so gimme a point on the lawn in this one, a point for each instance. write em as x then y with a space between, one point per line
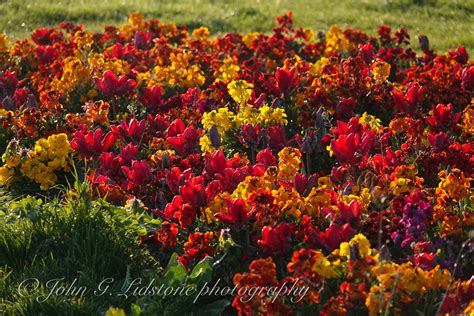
448 24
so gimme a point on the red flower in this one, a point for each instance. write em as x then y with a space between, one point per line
412 100
439 141
194 192
443 116
111 85
42 36
345 148
468 78
46 54
91 144
165 237
133 131
151 97
236 213
333 236
197 248
140 174
276 240
287 79
349 213
215 163
187 142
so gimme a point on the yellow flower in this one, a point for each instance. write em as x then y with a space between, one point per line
317 68
3 43
6 175
324 268
83 39
289 163
222 118
380 70
336 40
400 185
362 243
240 91
249 37
268 116
49 155
373 122
201 33
228 71
206 145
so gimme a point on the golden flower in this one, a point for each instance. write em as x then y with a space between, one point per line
228 71
289 163
3 43
455 184
400 185
6 175
380 70
136 19
336 40
83 39
317 68
201 34
249 37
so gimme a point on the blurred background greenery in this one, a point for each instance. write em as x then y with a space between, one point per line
447 23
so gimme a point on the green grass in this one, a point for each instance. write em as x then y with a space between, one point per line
448 23
79 239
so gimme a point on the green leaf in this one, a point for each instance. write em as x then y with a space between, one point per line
202 272
175 273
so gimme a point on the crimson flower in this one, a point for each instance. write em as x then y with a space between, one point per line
151 97
468 78
443 116
186 142
215 163
439 141
194 192
92 144
140 174
133 131
236 213
110 85
349 213
46 54
142 40
345 148
287 79
333 236
276 240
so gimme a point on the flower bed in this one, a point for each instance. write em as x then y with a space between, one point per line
338 162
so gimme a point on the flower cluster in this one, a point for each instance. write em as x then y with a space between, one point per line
341 162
